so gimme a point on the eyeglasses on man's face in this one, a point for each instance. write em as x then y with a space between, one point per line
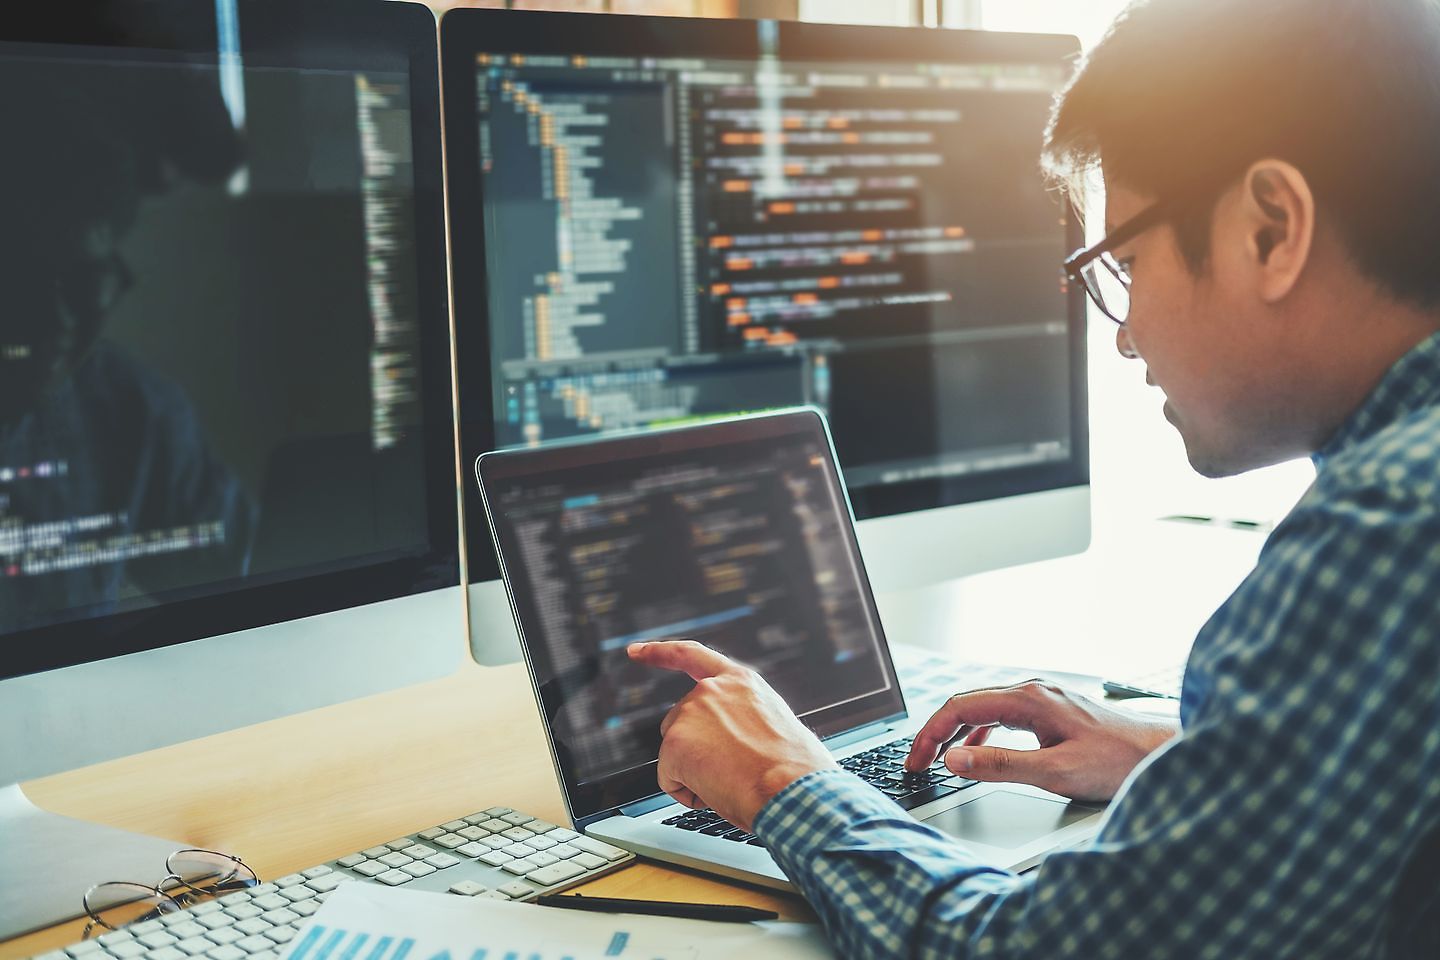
1105 278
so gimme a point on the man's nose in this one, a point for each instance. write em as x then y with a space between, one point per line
1125 345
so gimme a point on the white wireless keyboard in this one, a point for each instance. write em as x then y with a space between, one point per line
498 853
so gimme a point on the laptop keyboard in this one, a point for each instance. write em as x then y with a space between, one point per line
882 767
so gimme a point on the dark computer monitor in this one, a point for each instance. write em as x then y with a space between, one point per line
227 464
657 220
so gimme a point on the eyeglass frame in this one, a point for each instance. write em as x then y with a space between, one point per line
1076 265
181 893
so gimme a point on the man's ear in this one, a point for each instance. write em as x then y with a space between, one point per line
1278 209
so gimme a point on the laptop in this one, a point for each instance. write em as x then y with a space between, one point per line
738 534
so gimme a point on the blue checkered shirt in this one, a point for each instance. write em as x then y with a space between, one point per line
1298 815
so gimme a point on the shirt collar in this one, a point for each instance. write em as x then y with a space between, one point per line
1412 384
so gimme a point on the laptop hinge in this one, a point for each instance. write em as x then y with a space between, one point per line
855 736
641 807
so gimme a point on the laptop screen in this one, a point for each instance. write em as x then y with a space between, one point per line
735 534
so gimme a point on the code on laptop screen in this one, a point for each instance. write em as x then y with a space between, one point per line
745 547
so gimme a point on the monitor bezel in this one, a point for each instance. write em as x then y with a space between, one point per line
327 34
590 799
465 33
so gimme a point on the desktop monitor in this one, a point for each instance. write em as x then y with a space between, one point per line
227 459
658 220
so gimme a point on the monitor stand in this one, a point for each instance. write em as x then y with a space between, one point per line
47 862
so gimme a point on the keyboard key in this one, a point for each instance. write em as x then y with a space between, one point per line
518 849
326 883
138 930
245 911
194 946
370 868
226 953
418 869
562 850
477 818
419 851
253 926
450 841
281 934
496 859
589 861
519 867
517 834
286 914
156 939
296 894
186 930
517 889
199 910
518 819
255 944
498 811
540 826
466 888
431 833
271 901
442 861
394 878
925 796
454 826
349 861
314 872
544 859
214 921
375 853
473 849
493 825
555 873
82 948
396 859
307 907
290 879
256 891
561 834
224 935
599 848
473 833
243 896
542 843
496 842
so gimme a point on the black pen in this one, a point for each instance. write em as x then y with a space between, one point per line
658 908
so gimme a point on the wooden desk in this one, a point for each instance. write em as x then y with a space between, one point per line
295 792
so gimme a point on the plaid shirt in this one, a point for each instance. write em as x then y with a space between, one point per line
1299 813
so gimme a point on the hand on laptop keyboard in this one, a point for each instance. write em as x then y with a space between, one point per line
1086 749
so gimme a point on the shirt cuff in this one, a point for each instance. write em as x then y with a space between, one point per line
817 809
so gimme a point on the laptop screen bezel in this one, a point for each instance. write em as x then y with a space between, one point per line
588 799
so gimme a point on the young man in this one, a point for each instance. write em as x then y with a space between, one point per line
1273 204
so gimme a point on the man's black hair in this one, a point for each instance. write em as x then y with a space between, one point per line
1182 96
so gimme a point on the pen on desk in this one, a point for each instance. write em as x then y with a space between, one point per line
658 908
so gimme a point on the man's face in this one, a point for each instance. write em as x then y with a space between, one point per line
1205 343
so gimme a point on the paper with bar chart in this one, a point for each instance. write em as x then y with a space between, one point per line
362 921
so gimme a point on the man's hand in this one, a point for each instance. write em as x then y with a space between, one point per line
732 743
1086 749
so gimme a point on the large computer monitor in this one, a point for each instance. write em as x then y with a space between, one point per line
656 220
227 460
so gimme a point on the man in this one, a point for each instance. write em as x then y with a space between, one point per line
1273 205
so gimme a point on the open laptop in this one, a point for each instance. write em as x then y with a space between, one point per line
738 534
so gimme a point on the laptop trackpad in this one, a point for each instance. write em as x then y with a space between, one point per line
1007 820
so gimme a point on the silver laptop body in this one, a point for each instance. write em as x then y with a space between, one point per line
739 534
